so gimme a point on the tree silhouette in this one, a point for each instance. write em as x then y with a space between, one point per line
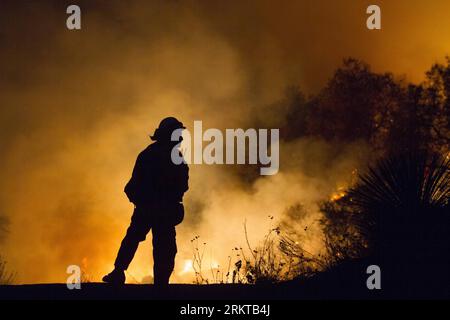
391 115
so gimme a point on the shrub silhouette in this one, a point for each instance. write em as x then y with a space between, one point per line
415 181
347 231
405 202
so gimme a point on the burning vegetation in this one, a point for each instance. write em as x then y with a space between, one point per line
393 209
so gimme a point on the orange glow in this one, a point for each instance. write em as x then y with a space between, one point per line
187 268
337 195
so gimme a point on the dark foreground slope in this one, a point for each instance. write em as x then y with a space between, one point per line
173 292
347 281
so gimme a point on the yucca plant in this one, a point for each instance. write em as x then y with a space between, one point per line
415 181
405 201
404 196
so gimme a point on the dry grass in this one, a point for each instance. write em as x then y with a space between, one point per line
6 277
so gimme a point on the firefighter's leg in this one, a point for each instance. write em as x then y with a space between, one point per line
136 232
164 251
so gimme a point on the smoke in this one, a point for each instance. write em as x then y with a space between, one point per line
78 106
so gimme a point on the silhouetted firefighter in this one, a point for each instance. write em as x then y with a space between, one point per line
156 188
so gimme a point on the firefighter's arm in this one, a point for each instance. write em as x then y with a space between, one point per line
186 178
133 185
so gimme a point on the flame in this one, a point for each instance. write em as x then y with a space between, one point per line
188 267
341 191
338 195
84 263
